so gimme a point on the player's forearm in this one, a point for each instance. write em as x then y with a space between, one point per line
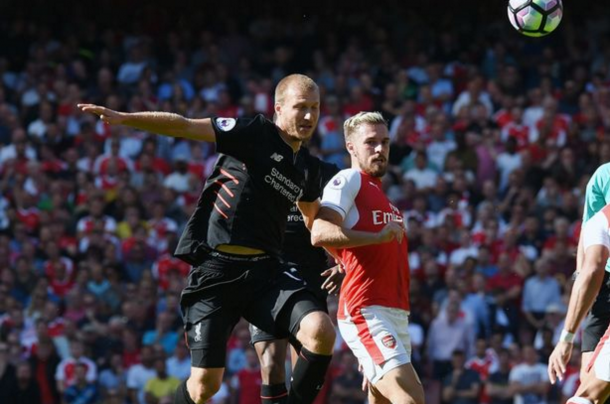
580 254
309 210
329 235
585 289
164 123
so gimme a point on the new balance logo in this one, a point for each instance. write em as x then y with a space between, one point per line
277 157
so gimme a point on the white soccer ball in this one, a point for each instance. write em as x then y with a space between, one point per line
535 17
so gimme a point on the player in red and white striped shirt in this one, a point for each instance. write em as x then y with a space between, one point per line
357 219
595 385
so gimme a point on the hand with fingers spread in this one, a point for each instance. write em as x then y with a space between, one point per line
107 115
559 360
391 231
334 276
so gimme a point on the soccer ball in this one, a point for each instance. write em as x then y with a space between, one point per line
535 17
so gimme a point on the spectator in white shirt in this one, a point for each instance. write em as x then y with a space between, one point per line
465 250
423 176
508 161
19 139
130 71
65 375
472 95
440 146
529 380
179 179
138 375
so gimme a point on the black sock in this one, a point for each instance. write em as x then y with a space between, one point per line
182 395
274 394
308 377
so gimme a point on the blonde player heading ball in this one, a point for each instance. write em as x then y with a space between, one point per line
357 219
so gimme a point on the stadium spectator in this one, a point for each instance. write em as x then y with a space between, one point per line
462 385
82 390
162 386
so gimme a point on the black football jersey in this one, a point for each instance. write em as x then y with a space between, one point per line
246 199
310 261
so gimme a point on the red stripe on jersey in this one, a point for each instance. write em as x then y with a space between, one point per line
598 349
220 211
222 199
232 177
364 334
225 188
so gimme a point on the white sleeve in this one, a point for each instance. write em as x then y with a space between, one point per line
515 374
91 370
59 371
340 192
595 231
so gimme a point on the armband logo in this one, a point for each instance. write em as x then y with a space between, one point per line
338 182
225 124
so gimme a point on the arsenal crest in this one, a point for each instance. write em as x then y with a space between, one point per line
388 341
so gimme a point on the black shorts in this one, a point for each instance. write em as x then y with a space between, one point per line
598 319
293 311
224 288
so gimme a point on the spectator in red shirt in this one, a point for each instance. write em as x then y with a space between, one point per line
246 383
44 362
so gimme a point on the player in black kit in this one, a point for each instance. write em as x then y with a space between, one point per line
234 237
310 264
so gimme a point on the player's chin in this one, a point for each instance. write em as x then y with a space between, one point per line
304 134
378 169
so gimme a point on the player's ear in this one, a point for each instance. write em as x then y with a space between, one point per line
350 147
277 107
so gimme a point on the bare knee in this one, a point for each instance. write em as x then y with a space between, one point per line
402 386
317 333
204 383
401 397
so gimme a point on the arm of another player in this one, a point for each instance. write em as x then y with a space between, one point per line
334 276
163 123
327 232
595 200
585 289
309 210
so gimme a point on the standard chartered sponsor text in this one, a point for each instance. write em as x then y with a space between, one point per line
283 185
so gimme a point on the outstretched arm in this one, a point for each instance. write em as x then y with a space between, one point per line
163 123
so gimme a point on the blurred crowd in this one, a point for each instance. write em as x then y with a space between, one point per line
494 137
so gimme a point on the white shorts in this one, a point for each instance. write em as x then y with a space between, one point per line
600 361
379 337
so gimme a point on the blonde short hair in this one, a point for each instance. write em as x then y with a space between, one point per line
353 123
299 81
